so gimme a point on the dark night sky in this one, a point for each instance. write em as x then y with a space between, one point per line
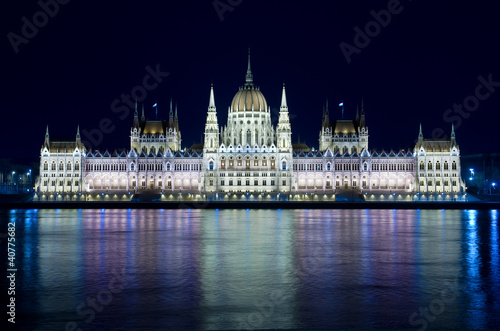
426 59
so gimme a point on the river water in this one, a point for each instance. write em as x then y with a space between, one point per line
255 269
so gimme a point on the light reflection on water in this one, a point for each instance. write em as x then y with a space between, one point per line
254 269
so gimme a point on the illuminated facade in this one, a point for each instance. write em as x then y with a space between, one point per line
249 157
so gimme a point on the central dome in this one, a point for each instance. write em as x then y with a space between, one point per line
249 98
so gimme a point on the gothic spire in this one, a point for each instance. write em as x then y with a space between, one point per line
78 132
171 113
47 138
420 134
284 104
135 112
452 131
211 104
143 117
249 76
357 113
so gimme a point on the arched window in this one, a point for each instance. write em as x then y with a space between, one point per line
429 166
422 166
345 150
77 165
438 166
283 165
354 150
61 166
168 166
68 166
365 166
45 166
53 165
211 165
445 165
328 166
132 167
454 166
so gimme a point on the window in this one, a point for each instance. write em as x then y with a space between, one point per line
256 182
446 165
454 166
68 166
283 166
211 182
247 182
239 182
230 182
438 166
45 166
273 182
328 166
429 166
264 182
61 166
284 182
68 183
422 167
53 166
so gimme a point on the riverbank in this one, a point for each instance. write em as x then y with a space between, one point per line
250 205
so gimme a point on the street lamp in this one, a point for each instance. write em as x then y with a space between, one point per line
492 185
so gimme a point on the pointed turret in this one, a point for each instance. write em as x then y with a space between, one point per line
78 133
453 141
327 115
420 134
47 138
211 104
357 113
249 76
136 116
176 119
284 105
171 114
143 117
362 122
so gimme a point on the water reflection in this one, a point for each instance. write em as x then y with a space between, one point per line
230 269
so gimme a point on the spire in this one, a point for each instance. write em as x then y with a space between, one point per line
78 132
284 104
135 112
452 131
249 76
362 106
171 113
47 138
176 119
143 117
420 135
357 113
327 115
211 104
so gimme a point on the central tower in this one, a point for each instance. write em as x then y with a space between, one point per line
249 118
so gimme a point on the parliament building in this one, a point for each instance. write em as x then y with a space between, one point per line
249 158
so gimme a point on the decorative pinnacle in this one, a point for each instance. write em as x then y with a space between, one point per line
249 76
211 105
283 98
